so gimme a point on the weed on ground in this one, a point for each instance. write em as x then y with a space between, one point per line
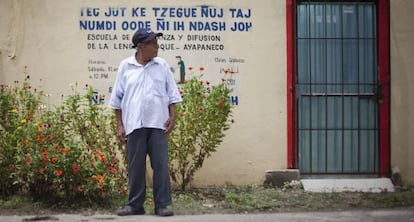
224 200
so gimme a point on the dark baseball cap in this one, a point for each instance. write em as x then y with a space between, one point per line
143 36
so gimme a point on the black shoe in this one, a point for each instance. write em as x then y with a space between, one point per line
163 212
127 211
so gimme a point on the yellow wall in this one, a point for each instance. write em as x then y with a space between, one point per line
46 37
402 90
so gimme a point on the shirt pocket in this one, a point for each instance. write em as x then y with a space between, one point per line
159 88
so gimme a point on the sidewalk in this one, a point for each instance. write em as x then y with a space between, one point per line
381 215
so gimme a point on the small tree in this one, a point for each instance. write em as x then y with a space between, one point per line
201 120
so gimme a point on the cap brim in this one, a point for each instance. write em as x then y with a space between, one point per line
151 37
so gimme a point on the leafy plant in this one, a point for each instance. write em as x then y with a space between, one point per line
69 152
19 107
201 120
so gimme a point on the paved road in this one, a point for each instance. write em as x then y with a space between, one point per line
383 215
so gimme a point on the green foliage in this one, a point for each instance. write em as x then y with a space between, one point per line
294 184
69 152
201 120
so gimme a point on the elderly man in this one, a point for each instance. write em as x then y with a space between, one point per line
144 97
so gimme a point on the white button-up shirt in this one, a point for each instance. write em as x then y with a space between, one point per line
143 93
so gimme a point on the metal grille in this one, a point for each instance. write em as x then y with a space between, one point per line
337 87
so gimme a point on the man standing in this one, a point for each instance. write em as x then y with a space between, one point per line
144 97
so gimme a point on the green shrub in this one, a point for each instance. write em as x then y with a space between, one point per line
201 120
68 152
71 152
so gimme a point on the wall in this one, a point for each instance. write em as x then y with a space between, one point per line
59 43
402 104
46 36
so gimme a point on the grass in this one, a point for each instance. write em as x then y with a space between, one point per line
261 200
224 200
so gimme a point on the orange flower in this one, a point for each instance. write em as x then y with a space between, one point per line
27 160
201 108
112 169
47 138
96 154
44 154
54 159
41 170
65 150
38 139
101 156
201 68
100 178
39 132
30 117
221 104
75 168
58 172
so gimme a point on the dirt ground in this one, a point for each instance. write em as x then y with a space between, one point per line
226 200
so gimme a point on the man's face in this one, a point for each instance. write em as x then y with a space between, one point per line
149 49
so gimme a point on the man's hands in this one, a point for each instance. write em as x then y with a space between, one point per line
120 127
169 125
121 134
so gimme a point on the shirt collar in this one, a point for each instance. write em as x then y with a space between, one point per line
131 60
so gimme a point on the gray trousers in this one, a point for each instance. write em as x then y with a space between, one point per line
154 143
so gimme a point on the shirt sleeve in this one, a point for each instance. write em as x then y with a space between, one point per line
172 89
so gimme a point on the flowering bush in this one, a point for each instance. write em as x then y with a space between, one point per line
18 106
201 120
68 152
